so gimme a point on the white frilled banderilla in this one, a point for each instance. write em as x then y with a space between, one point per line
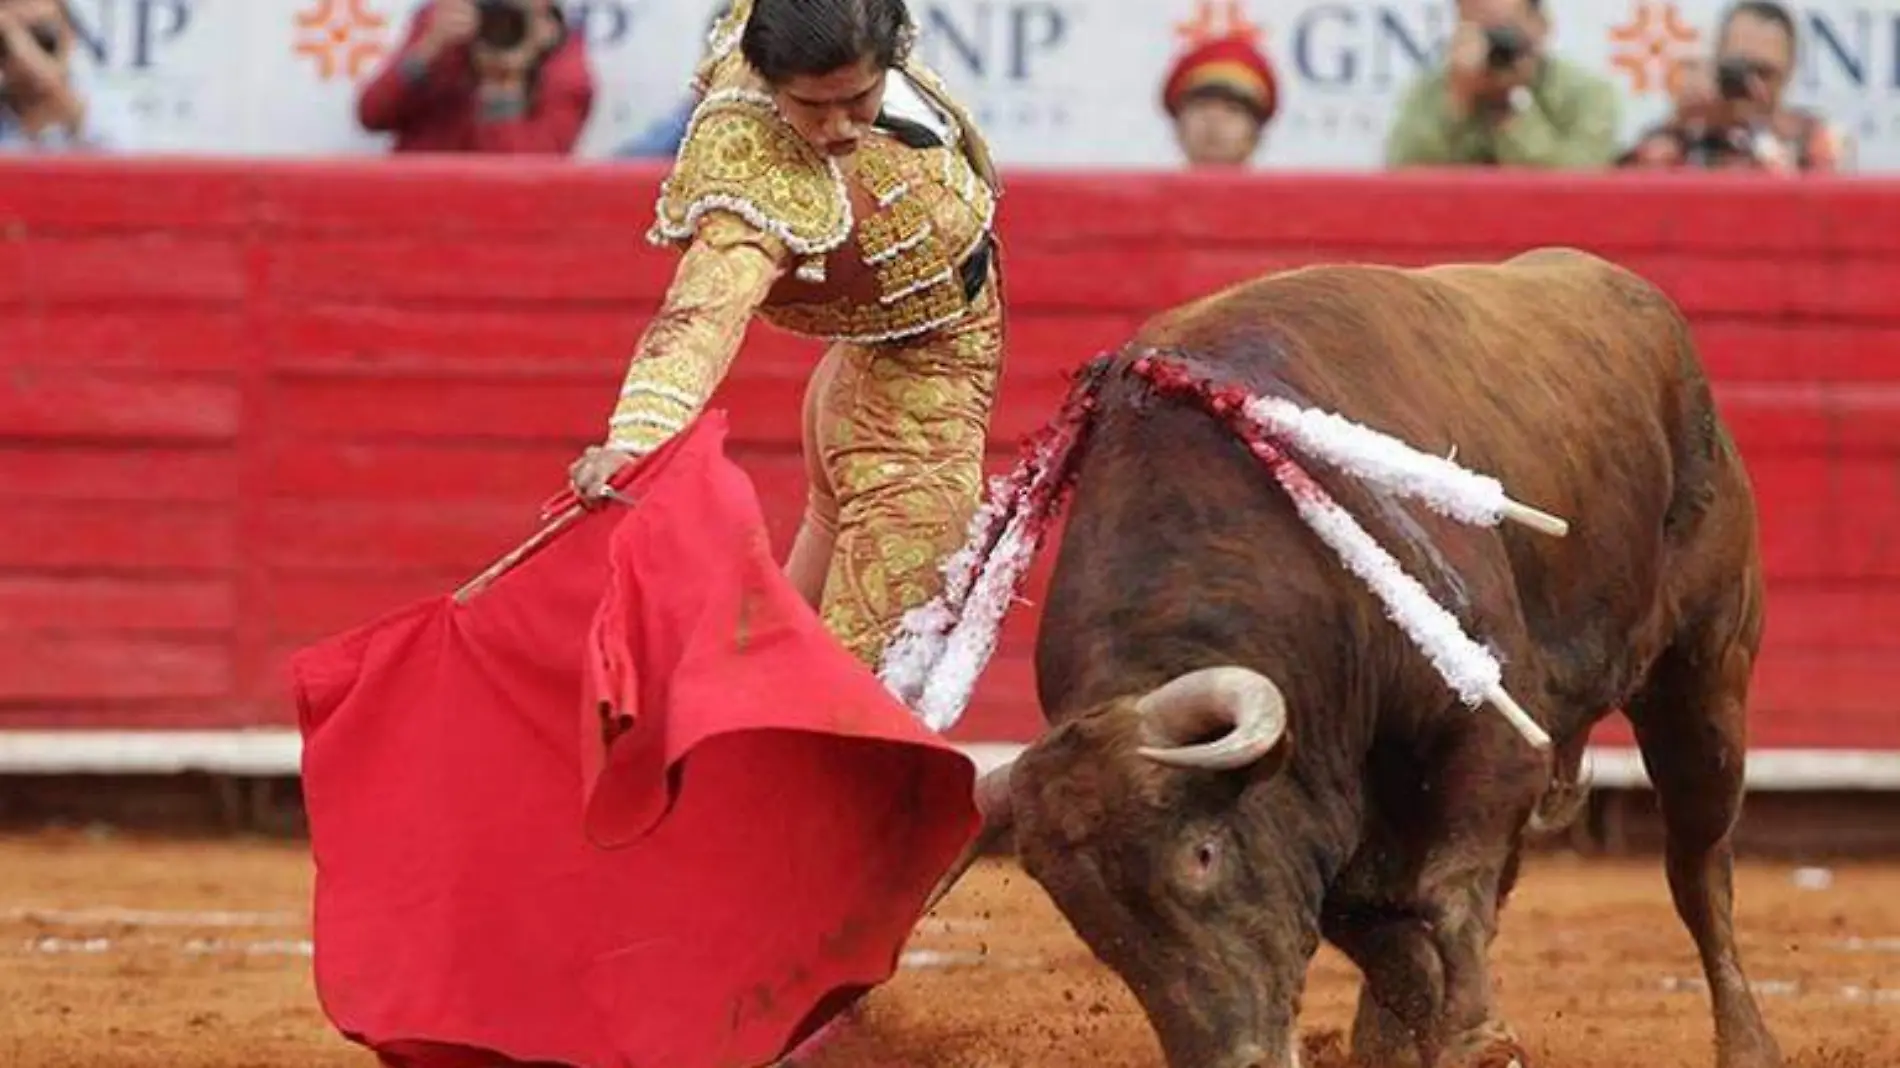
944 645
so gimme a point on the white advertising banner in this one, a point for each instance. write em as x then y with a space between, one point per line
1056 83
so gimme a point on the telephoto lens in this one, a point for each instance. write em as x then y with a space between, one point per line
504 25
1731 77
1508 45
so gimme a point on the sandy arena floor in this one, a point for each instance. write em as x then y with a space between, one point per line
142 955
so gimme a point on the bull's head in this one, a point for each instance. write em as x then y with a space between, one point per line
1129 817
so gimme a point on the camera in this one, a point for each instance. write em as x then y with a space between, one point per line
1508 44
503 25
44 34
1732 74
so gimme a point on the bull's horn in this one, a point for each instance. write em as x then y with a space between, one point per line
1246 702
992 800
992 795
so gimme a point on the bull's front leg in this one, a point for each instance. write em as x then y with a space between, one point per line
1404 988
1426 1002
1470 1032
1420 911
1490 782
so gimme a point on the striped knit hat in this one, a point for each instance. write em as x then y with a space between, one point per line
1229 65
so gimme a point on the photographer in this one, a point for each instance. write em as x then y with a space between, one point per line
44 108
503 76
1500 99
1729 113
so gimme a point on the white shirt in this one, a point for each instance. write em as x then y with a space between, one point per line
904 100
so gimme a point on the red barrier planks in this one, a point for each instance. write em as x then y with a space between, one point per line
251 403
151 538
74 196
64 668
54 604
168 338
607 270
78 404
120 473
165 267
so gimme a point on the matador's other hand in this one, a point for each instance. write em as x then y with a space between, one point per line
592 475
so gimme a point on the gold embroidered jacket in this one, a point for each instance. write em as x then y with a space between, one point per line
866 250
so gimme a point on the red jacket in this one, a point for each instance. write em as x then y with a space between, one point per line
440 112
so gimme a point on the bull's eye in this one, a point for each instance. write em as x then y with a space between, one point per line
1198 864
1206 855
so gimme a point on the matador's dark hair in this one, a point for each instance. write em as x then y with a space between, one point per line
786 39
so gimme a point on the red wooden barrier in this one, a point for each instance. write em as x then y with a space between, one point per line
243 404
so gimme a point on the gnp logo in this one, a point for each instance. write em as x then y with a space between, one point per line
342 38
134 46
1650 49
131 35
1003 56
1849 71
1347 64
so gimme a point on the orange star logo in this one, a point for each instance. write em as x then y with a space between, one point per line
1652 46
1214 20
341 37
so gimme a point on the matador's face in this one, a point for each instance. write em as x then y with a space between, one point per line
833 111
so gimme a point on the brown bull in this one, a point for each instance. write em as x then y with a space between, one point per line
1246 755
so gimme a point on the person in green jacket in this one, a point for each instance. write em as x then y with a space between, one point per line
1500 99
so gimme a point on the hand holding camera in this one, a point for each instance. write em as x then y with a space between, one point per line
505 38
452 23
511 37
1742 83
1732 93
1488 62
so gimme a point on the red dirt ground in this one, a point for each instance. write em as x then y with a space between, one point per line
1593 967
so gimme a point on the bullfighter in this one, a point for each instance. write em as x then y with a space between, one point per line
829 184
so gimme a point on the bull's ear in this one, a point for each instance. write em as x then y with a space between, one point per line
1224 718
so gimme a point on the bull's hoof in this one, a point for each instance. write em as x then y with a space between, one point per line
1491 1046
1761 1053
1379 1040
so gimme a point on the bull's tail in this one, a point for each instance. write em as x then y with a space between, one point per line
943 646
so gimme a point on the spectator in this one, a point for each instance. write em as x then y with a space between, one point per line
44 106
1730 113
662 139
1221 96
1500 99
502 76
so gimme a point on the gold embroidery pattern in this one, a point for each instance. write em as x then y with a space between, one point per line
902 433
914 244
741 157
870 324
722 42
960 178
721 281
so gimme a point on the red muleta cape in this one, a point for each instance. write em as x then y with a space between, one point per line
629 807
